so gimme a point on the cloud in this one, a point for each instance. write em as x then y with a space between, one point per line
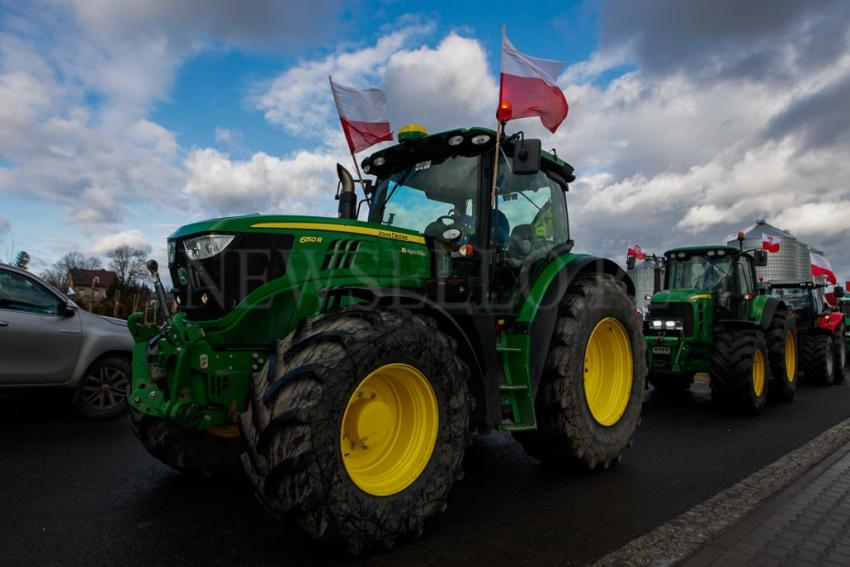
764 40
133 238
5 225
303 183
299 99
448 86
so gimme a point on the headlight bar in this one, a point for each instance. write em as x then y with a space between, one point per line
205 246
666 324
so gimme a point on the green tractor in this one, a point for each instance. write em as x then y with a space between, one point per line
713 316
347 362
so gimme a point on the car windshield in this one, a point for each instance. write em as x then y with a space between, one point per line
701 271
418 196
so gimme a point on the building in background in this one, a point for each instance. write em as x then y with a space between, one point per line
90 285
791 263
643 277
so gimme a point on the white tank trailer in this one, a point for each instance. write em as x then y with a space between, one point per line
791 263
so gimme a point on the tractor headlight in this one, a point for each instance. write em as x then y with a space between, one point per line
666 324
205 246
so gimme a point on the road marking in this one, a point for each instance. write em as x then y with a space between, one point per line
682 536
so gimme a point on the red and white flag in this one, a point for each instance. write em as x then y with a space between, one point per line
770 243
528 87
635 250
822 267
363 114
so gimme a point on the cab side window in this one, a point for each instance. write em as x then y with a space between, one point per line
745 275
20 293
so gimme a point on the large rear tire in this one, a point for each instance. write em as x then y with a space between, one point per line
357 428
819 359
782 356
589 400
738 371
193 452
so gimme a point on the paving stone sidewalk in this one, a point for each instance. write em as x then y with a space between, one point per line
807 523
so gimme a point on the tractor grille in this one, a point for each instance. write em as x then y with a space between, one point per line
684 312
341 254
224 280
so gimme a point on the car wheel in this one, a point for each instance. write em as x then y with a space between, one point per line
102 392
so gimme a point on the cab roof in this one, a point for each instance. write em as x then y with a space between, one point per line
436 146
703 248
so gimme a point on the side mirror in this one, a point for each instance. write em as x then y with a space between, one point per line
760 258
68 309
838 291
526 157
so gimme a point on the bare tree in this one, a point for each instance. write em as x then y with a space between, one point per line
128 264
58 274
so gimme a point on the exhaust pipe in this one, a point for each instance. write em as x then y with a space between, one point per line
345 194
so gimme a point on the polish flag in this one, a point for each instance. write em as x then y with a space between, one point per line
822 267
363 114
770 243
635 250
527 87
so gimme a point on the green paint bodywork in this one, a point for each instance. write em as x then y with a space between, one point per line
691 354
197 373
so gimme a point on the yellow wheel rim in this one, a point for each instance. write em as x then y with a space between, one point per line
389 429
608 371
790 356
758 372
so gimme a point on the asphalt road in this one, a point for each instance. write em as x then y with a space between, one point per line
75 492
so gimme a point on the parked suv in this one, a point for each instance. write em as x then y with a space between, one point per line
47 340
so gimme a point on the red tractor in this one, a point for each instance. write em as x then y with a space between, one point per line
820 330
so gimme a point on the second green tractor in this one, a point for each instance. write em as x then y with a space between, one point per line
714 317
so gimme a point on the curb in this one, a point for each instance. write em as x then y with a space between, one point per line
687 533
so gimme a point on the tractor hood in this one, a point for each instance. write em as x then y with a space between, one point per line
681 295
290 224
217 264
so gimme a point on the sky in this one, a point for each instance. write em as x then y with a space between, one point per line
121 120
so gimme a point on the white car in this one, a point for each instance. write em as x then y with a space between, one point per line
47 340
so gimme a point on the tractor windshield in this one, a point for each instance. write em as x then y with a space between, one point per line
794 297
429 196
712 272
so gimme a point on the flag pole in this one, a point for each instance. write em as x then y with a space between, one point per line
339 114
499 125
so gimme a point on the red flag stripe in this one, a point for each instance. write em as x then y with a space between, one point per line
361 135
532 97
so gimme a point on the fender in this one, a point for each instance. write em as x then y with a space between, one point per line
830 321
476 348
540 309
764 309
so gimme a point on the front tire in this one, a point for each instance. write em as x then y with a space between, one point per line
819 359
840 355
738 371
193 452
589 400
783 356
357 429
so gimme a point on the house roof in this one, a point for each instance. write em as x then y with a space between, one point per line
86 277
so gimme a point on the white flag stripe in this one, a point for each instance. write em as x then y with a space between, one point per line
360 105
522 65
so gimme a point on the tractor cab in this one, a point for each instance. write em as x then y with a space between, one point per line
482 240
726 273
